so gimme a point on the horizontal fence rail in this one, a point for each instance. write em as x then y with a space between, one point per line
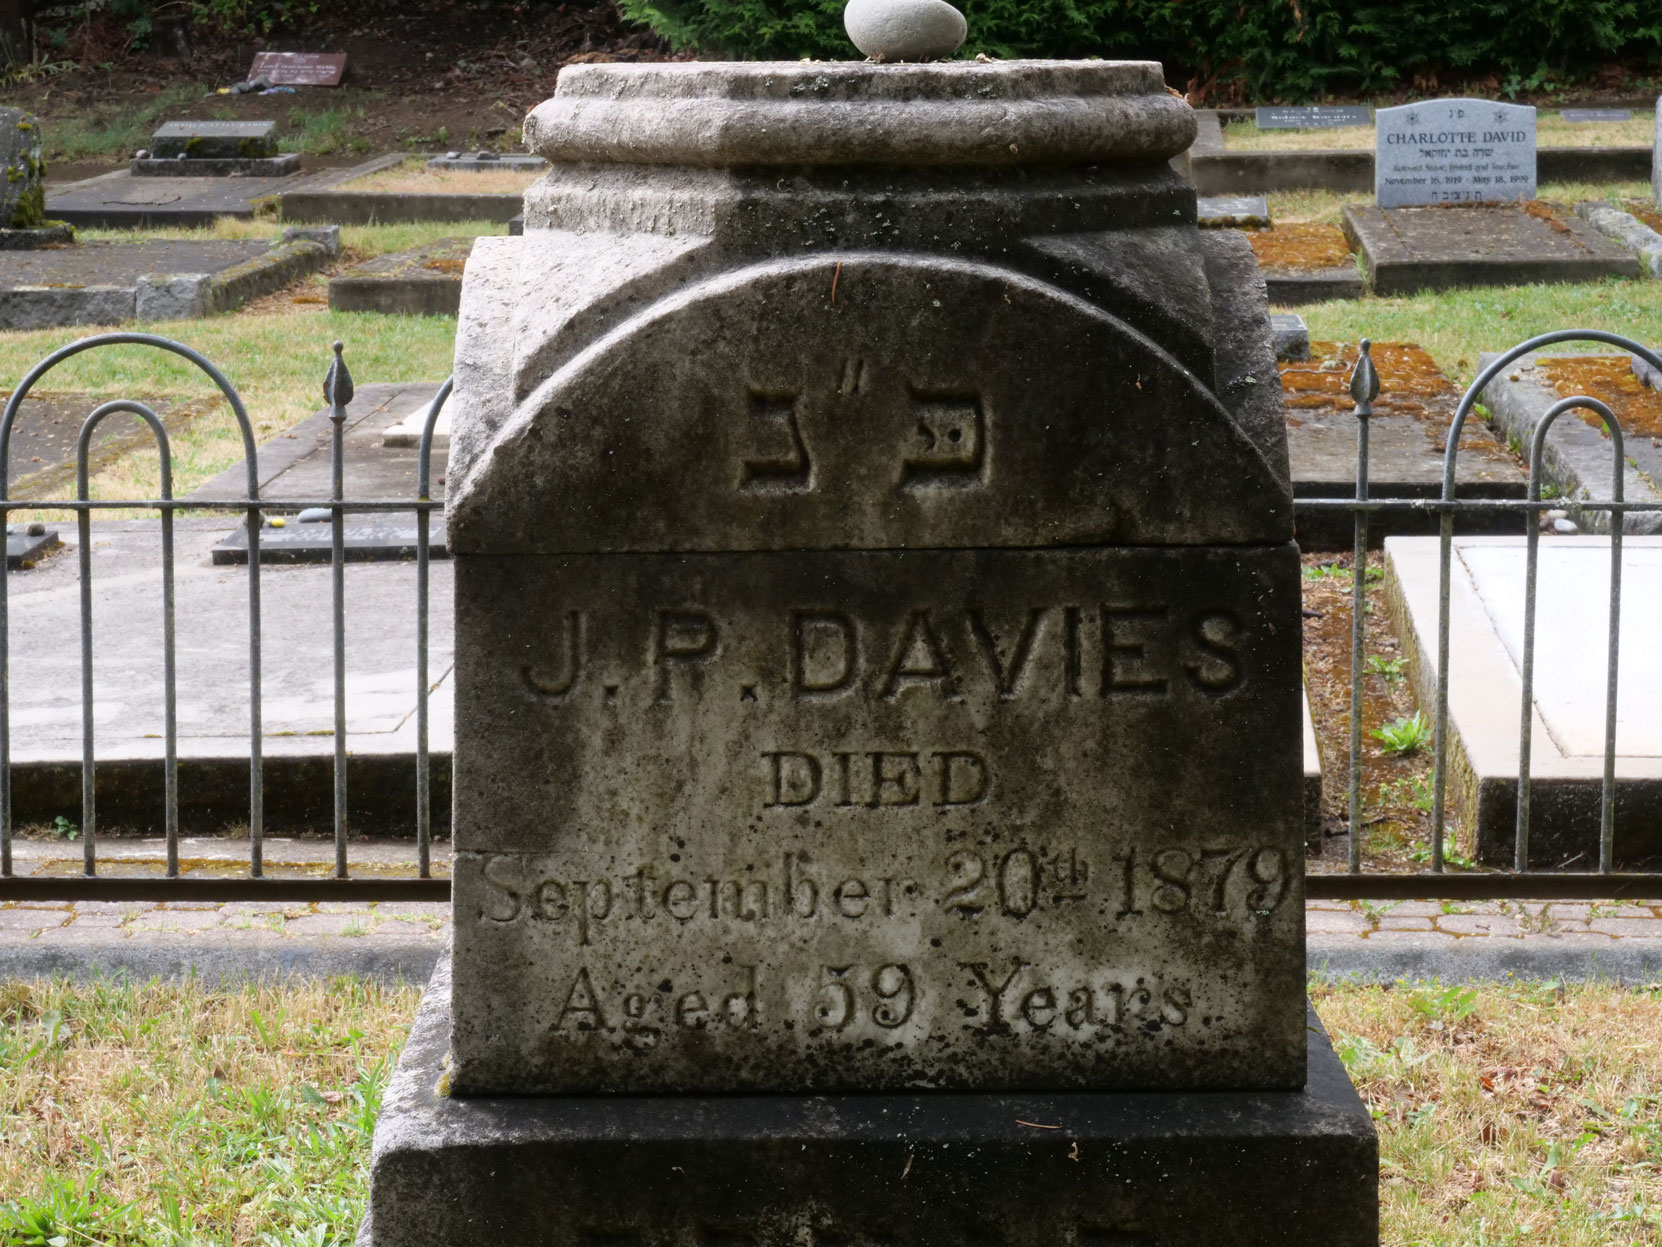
1524 880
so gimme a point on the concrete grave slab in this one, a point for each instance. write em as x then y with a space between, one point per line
40 462
218 167
212 612
364 539
1305 263
156 279
1232 212
296 464
1292 335
1405 250
1485 692
27 544
423 281
487 162
121 200
1405 438
1578 461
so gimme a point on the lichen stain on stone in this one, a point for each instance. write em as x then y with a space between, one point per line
1301 248
1609 378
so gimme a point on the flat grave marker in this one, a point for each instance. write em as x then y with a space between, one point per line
1596 116
1306 262
299 69
218 139
1453 151
27 544
1232 212
1454 245
423 281
1312 117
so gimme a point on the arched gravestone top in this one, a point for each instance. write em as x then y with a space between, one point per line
926 402
792 113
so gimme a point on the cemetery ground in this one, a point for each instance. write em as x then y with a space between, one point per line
166 1113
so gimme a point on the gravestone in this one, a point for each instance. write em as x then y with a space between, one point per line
22 193
877 677
215 149
1312 117
299 69
1596 116
1453 151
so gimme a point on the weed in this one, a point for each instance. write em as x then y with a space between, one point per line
1389 669
1404 734
63 829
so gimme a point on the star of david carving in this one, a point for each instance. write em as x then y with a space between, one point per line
1413 119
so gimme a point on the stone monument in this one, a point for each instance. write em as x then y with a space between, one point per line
215 149
878 752
23 223
1453 151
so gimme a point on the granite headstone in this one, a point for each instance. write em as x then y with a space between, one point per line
1312 116
877 675
1453 151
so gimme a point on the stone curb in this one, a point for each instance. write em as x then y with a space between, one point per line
1484 959
1627 229
1576 458
389 961
275 269
347 207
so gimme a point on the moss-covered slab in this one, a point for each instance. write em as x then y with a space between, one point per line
424 281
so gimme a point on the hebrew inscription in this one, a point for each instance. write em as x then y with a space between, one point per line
892 820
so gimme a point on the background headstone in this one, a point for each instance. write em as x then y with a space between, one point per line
214 140
299 69
1596 116
22 191
1453 151
1312 117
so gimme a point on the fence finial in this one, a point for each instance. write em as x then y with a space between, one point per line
337 383
1364 380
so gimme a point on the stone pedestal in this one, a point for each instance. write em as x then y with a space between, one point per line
878 688
1136 1169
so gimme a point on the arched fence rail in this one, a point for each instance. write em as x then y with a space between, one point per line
1524 880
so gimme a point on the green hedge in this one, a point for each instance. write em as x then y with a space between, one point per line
1254 49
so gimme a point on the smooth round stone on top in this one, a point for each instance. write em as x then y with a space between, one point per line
905 30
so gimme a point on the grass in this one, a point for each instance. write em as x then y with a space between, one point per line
1551 130
275 352
166 1114
119 129
1325 207
159 1115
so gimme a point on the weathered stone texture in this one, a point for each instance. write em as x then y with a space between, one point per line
22 171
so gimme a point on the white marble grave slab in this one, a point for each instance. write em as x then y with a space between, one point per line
1453 151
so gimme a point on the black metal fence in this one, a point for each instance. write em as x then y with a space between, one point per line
1523 880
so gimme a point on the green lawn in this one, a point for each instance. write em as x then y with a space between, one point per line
162 1115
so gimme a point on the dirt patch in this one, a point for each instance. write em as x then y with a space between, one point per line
1647 213
1396 786
417 179
1300 248
1609 378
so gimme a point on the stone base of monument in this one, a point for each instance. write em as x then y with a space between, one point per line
1406 250
487 162
1577 459
1138 1169
1486 608
424 281
52 234
28 544
221 167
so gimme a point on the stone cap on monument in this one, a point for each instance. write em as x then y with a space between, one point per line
998 113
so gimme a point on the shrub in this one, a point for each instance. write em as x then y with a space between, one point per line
1254 49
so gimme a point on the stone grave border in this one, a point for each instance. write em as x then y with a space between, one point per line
1577 458
1627 229
1217 171
172 296
334 202
1484 696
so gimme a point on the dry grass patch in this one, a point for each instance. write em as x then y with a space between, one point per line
413 177
167 1114
1515 1114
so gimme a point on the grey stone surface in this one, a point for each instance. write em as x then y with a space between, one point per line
1299 288
365 539
997 113
171 296
214 140
771 470
53 233
1626 229
1312 117
1273 1169
217 167
423 281
1577 459
1232 211
486 162
27 544
119 200
1292 335
1453 151
904 30
1568 708
1407 250
325 236
22 171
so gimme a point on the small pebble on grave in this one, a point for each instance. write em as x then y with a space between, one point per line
905 30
